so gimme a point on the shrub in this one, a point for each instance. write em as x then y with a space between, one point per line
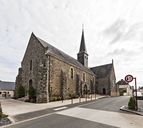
132 103
72 96
55 98
21 91
32 94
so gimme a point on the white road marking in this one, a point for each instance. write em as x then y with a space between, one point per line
23 121
117 119
60 108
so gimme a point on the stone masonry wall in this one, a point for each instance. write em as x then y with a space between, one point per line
56 66
103 83
38 73
49 75
114 88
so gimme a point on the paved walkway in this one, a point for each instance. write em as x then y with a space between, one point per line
13 107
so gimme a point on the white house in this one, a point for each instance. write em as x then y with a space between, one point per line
7 89
124 88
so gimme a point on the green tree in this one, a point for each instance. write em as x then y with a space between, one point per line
21 91
32 94
132 103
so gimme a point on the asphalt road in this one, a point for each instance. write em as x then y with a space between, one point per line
83 116
108 104
60 121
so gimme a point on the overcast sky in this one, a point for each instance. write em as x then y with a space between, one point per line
113 30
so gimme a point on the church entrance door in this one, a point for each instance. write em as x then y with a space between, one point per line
104 91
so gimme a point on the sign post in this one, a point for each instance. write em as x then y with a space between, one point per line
129 78
136 93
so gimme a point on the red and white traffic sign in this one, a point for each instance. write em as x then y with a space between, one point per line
129 78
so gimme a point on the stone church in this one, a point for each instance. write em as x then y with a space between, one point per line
54 75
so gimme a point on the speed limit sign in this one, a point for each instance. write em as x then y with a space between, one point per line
129 78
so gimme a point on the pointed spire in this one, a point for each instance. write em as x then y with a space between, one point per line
112 61
82 56
82 44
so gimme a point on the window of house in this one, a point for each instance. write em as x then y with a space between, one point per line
72 73
30 64
84 77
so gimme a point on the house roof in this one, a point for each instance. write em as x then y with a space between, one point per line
102 71
122 82
63 56
4 85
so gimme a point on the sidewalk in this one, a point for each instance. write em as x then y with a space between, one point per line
138 112
13 107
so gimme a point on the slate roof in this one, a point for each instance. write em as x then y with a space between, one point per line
102 71
122 82
63 56
82 45
4 85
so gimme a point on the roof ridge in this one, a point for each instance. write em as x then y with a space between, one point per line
63 55
58 50
102 65
7 81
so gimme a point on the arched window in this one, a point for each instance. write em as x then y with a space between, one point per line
30 82
84 77
72 73
85 89
30 64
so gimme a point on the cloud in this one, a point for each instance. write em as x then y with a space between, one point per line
108 35
123 51
124 56
120 31
117 52
116 31
135 32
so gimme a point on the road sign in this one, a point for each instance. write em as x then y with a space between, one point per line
129 78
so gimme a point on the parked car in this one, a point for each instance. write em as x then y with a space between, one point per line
139 95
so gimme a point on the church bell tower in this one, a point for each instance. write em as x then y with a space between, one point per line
82 56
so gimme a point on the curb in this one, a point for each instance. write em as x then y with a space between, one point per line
11 119
125 108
